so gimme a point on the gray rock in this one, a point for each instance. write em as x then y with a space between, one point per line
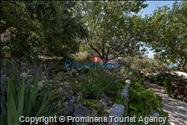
117 110
71 99
81 111
125 92
68 109
125 95
155 114
106 101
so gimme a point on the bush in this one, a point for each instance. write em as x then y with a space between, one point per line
97 82
143 102
164 79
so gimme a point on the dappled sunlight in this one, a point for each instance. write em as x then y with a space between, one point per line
177 109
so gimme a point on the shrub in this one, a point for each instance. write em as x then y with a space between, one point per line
164 79
97 82
143 102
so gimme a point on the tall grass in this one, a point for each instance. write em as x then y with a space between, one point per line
23 101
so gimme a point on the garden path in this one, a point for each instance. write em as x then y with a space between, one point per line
176 109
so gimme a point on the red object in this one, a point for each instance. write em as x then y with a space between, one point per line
96 59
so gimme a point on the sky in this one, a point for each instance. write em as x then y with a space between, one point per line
153 5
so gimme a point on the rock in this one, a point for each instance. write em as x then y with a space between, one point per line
155 114
81 111
35 71
106 102
71 99
125 95
125 92
68 109
117 110
66 90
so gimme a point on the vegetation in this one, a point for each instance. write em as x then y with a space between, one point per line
174 84
169 36
110 28
45 35
22 101
37 27
148 102
165 80
152 65
98 82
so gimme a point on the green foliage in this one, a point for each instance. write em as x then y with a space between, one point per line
37 27
110 26
110 29
27 102
168 38
96 105
142 101
152 65
91 103
165 79
98 82
120 100
61 27
21 34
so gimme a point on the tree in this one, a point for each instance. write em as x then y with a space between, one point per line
110 27
61 27
20 34
145 64
169 35
39 27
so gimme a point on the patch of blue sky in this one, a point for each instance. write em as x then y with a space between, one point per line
153 5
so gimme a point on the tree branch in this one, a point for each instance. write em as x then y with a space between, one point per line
94 49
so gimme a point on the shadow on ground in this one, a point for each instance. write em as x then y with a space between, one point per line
176 109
